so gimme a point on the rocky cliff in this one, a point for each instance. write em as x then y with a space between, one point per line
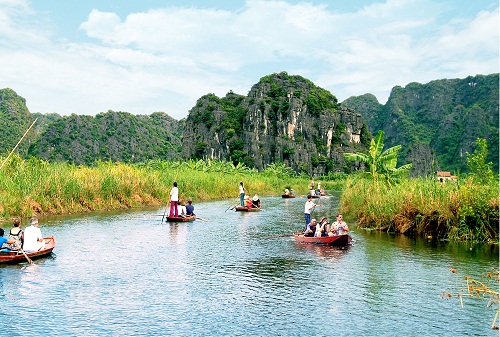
438 122
283 118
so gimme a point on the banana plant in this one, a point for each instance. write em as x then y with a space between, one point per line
381 164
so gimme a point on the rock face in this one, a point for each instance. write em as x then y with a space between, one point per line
282 119
438 122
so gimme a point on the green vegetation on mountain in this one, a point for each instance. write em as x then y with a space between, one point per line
114 136
437 123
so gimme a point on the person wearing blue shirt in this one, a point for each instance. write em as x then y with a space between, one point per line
190 207
4 240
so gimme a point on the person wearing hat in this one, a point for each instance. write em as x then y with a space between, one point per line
248 201
255 201
309 206
310 228
33 239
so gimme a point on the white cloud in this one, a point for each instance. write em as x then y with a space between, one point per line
165 59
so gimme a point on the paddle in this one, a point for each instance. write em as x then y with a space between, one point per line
164 212
22 251
202 219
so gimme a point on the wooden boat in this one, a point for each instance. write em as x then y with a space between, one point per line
17 256
336 240
314 196
246 209
187 218
287 196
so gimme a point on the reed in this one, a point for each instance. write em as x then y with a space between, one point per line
463 210
36 187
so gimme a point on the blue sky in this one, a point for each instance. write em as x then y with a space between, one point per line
87 57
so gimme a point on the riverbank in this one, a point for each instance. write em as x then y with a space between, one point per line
462 210
36 187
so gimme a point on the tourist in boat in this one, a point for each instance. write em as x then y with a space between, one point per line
287 191
190 208
4 242
292 192
255 201
181 209
309 206
248 201
241 191
16 233
174 200
324 226
33 239
339 227
310 228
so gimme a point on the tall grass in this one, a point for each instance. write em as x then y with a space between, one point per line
36 187
463 210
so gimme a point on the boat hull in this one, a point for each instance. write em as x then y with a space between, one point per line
181 219
287 196
18 257
246 209
336 240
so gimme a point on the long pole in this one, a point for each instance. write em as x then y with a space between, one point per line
19 142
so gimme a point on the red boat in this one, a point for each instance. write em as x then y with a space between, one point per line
17 256
336 240
187 218
287 196
246 209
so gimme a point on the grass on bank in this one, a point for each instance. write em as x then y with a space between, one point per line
36 187
464 210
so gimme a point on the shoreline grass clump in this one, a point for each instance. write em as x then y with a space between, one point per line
464 210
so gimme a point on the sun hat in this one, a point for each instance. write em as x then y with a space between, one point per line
255 197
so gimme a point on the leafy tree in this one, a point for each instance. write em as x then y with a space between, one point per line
381 164
476 162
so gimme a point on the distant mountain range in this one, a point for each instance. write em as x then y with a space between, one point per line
283 118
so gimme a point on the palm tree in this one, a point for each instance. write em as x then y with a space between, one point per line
381 164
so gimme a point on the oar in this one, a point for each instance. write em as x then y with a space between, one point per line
164 212
231 207
202 219
22 251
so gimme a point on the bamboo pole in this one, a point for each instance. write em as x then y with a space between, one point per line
19 142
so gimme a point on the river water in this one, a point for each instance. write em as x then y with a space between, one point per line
239 274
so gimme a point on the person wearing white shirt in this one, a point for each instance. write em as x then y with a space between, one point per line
33 239
309 206
174 200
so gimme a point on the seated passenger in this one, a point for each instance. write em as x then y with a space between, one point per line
287 192
248 201
181 209
339 227
325 226
16 233
255 201
5 243
311 228
189 208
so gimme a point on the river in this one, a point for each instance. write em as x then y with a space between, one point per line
239 274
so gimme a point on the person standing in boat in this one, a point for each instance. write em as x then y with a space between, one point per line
190 208
33 239
241 190
174 200
339 227
309 206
